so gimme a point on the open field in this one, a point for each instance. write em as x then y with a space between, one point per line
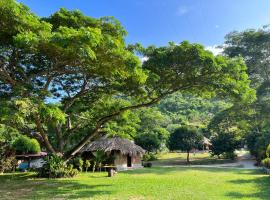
198 158
151 183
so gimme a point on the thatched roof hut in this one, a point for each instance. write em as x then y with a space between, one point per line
206 143
125 146
126 153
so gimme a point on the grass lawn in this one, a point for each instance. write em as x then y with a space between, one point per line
195 159
151 183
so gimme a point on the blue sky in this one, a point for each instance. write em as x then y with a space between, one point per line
160 21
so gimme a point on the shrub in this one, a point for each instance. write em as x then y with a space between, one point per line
225 143
78 163
229 155
24 145
7 164
149 156
87 164
266 162
148 141
268 151
55 167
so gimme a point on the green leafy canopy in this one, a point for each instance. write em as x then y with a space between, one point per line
84 65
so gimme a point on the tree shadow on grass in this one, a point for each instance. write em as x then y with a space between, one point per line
167 170
194 161
26 186
252 177
261 184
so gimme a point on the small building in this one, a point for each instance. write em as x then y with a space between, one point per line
27 161
206 143
127 154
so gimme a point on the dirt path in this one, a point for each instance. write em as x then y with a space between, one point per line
244 161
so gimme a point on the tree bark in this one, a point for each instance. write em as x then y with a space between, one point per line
188 157
60 139
44 136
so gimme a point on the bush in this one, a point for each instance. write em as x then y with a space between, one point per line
148 141
7 164
24 145
149 156
229 155
268 151
78 163
55 167
87 164
225 143
266 162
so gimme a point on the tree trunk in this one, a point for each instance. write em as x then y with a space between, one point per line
80 145
60 139
44 136
188 157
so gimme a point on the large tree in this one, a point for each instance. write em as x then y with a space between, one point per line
253 119
62 78
185 138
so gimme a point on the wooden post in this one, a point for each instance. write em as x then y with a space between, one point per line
110 172
29 162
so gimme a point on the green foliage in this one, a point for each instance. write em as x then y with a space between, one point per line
151 127
192 62
268 151
257 143
225 144
99 157
55 167
185 138
7 163
25 145
149 156
148 141
7 159
78 163
87 164
189 109
266 162
253 46
84 65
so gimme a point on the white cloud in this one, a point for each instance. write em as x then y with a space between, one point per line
182 10
215 49
143 59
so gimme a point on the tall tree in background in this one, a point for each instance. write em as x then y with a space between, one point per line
185 138
254 46
82 64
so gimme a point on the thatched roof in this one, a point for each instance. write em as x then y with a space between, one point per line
125 146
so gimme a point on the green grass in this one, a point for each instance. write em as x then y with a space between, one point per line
195 159
151 183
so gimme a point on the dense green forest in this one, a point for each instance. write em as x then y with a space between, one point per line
158 122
